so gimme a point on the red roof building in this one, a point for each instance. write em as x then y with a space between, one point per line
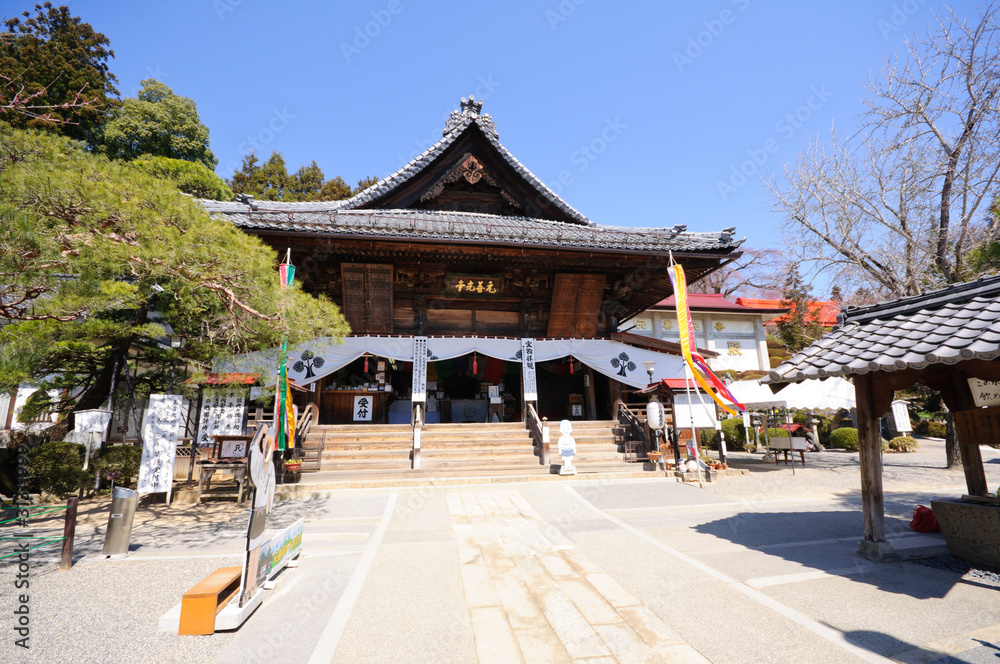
824 312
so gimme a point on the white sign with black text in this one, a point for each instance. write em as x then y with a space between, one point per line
160 427
363 408
419 391
221 415
528 369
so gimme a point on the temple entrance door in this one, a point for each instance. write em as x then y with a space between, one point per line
473 388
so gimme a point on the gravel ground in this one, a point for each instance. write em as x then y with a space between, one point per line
964 569
106 612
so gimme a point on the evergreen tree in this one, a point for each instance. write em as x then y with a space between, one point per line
54 73
158 122
335 189
800 326
99 256
270 181
364 183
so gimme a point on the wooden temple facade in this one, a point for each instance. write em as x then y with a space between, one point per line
466 248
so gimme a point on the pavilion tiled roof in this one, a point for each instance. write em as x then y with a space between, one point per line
430 225
947 326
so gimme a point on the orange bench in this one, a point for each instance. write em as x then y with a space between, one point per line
200 604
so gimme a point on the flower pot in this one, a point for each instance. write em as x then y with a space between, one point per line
293 466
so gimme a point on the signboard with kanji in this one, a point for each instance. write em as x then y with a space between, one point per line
160 427
363 408
457 285
221 414
528 369
980 426
985 392
419 391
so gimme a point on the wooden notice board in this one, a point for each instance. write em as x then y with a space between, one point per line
979 426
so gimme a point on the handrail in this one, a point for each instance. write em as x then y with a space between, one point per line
539 430
636 437
418 421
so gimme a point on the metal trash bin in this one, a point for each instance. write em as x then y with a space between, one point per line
119 532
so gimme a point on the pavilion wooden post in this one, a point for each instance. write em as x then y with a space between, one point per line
972 458
873 546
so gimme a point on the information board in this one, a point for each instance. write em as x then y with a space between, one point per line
419 391
985 392
160 427
528 369
221 415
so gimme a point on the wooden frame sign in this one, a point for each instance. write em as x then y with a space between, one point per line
979 426
460 285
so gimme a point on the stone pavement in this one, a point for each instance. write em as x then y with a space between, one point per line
753 568
533 597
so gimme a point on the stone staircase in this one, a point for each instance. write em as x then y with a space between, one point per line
379 455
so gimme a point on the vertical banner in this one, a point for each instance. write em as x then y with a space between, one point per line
221 414
419 370
160 427
528 369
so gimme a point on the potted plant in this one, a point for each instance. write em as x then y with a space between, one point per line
293 465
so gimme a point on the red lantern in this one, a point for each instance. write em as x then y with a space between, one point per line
366 362
571 365
475 363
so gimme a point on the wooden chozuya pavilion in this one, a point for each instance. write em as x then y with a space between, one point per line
473 290
948 340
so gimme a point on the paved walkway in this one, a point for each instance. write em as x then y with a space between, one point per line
753 568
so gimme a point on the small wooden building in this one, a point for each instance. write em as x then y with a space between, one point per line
465 256
946 339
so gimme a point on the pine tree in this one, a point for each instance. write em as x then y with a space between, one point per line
800 326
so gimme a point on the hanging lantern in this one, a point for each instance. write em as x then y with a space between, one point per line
475 363
571 371
366 362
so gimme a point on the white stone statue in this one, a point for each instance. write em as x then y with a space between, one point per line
567 448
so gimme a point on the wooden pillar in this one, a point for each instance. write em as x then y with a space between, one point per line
873 545
616 394
972 458
589 396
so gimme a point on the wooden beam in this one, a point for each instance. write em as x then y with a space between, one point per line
870 449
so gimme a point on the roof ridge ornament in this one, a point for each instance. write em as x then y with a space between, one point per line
471 111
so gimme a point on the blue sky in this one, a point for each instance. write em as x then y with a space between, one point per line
644 109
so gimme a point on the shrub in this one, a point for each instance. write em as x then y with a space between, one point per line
777 433
845 437
921 427
936 430
58 468
709 439
123 459
903 444
735 433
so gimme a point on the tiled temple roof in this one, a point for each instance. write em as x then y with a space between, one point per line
429 225
947 326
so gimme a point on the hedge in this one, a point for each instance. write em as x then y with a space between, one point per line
845 437
735 433
58 468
